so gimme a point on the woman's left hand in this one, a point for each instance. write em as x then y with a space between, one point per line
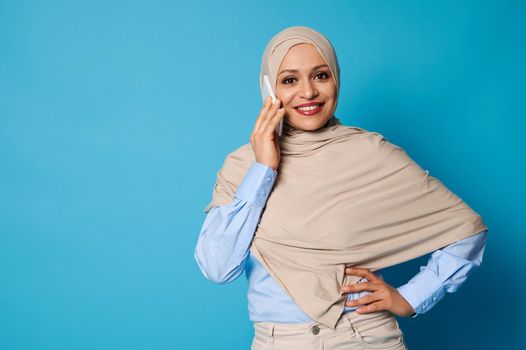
383 296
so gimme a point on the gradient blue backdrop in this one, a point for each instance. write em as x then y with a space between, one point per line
115 117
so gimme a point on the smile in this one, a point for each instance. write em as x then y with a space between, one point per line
310 110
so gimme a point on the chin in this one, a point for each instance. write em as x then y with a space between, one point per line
307 125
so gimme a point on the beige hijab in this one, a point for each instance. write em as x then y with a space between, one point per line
343 196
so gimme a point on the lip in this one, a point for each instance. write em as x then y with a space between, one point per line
310 113
310 104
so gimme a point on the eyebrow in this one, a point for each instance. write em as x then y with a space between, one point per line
296 71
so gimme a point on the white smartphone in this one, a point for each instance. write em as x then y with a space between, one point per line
267 91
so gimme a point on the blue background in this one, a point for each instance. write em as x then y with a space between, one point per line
115 117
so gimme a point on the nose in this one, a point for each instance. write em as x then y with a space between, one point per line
308 90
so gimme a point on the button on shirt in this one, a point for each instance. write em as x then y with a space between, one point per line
222 254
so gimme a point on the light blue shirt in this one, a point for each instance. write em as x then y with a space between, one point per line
222 253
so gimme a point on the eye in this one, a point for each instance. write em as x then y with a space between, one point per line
284 81
323 74
290 80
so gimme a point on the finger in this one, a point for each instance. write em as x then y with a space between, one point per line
273 109
358 287
263 113
356 271
367 299
271 113
269 126
377 306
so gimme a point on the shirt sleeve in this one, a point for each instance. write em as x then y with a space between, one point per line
446 271
226 234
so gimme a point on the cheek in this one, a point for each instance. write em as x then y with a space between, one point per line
330 92
286 100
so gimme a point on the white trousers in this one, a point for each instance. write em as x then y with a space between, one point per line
376 330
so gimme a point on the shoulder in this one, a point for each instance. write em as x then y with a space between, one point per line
376 137
237 162
373 137
242 152
241 155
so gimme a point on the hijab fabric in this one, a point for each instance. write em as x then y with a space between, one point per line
343 196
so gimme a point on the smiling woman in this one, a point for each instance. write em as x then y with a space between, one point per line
345 197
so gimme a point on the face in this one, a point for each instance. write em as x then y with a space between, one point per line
304 79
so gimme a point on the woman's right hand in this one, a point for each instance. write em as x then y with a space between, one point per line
264 138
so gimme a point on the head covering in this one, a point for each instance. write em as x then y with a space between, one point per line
343 196
279 46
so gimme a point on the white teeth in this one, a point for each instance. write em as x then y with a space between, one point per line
311 108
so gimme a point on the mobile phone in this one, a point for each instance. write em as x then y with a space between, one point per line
267 91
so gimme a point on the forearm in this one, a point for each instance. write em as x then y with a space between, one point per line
227 232
446 271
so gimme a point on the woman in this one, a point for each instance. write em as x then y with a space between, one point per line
293 212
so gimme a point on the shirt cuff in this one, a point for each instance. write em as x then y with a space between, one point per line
423 291
257 184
